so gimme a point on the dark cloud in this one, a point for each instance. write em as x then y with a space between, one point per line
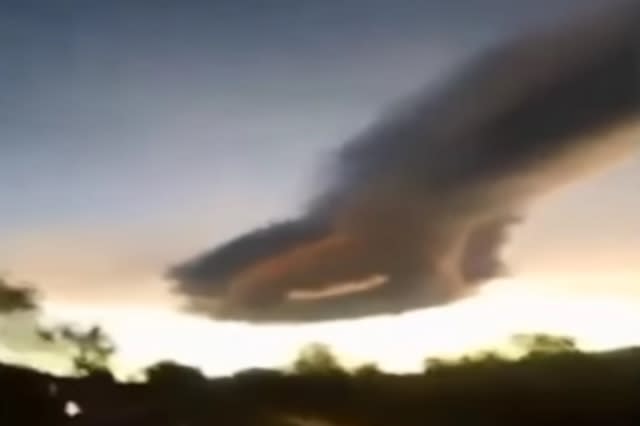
424 197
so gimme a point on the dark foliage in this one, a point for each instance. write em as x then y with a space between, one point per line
15 298
552 388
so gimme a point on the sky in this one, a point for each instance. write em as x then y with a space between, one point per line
134 134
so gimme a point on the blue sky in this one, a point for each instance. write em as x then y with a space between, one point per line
112 110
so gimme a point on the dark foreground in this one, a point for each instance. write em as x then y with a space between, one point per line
561 389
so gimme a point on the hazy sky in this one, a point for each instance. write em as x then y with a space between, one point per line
134 134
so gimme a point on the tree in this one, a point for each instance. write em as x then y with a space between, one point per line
15 298
172 374
367 371
316 358
484 357
432 363
541 344
92 349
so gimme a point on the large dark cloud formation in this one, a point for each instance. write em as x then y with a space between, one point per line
422 200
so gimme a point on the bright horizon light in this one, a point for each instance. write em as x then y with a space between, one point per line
398 343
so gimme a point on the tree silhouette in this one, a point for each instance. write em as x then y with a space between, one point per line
92 349
537 344
15 298
483 357
316 358
169 373
433 363
367 370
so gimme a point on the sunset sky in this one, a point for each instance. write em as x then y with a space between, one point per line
135 134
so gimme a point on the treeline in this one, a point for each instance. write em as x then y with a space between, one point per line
553 388
550 383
